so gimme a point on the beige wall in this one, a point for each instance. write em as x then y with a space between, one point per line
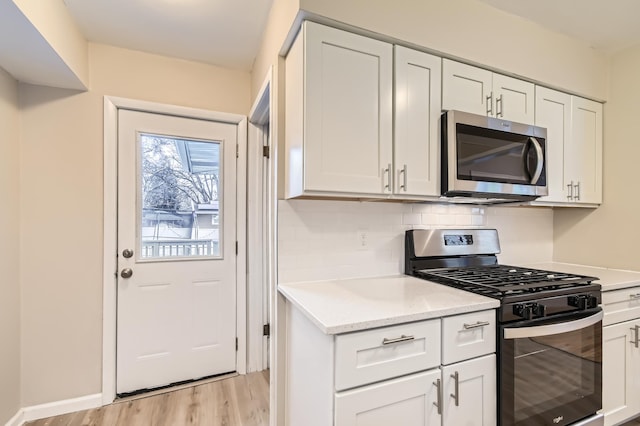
477 32
608 236
9 245
53 21
61 206
280 20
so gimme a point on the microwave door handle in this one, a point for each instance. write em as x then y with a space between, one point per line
540 160
547 330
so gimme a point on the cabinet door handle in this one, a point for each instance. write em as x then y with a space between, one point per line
456 389
634 296
402 338
403 172
475 325
387 171
490 104
500 102
570 191
577 196
636 330
438 402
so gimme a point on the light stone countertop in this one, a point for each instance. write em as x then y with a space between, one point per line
341 306
609 279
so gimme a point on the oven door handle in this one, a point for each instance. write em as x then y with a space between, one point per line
547 330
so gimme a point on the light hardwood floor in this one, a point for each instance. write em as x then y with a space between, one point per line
235 401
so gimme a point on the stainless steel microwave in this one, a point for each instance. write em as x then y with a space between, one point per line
491 158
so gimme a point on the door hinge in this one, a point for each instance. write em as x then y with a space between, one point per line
266 330
236 343
237 151
265 151
236 248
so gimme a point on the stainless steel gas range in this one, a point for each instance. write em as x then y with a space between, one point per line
549 325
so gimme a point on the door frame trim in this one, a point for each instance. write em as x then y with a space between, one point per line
110 186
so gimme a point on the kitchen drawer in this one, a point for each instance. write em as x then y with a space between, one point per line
621 305
468 336
373 355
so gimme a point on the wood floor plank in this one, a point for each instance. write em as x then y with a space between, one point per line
234 401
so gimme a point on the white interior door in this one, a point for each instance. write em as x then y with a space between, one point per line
176 298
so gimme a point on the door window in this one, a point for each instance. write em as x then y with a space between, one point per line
180 197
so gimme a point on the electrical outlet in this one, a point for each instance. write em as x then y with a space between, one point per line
363 239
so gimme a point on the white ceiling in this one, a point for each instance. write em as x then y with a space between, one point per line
228 32
608 25
219 32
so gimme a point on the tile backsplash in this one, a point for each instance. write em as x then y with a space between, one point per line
320 240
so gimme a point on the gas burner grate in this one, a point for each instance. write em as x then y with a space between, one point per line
503 280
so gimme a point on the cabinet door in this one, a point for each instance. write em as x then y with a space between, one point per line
584 156
476 392
417 116
407 401
553 111
347 112
466 88
620 372
514 99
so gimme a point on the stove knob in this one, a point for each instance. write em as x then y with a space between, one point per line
524 310
539 310
592 302
580 301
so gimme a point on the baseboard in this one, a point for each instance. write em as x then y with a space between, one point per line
16 420
42 411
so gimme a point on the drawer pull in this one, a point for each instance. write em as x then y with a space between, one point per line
476 325
636 330
402 338
438 402
456 388
634 296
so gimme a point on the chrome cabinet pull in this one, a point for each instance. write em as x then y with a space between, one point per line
490 104
403 172
476 325
635 329
634 296
577 187
387 172
570 191
499 111
402 338
456 390
438 402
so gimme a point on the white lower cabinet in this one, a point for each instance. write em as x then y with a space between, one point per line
620 372
621 355
460 394
469 393
407 401
394 375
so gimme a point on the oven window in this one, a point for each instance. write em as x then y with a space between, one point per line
492 156
553 377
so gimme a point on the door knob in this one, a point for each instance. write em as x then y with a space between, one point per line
127 253
126 273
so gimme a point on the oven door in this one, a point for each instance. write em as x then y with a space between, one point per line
551 370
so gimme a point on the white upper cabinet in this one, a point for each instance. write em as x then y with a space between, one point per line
553 112
339 113
476 90
466 88
417 115
574 147
585 151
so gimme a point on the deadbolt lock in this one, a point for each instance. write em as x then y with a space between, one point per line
127 253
